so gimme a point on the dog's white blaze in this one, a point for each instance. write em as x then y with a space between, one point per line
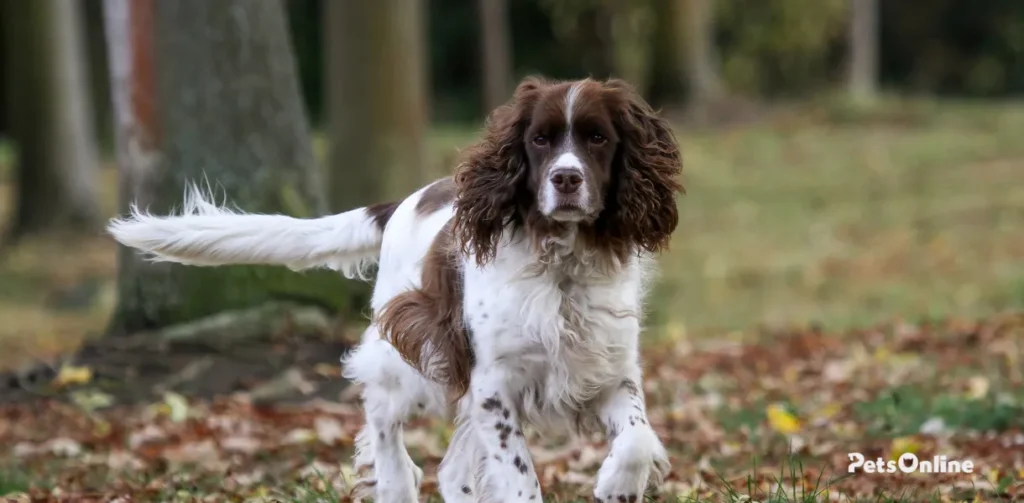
568 160
570 103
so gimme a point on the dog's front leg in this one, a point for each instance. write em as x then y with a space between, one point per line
507 471
637 457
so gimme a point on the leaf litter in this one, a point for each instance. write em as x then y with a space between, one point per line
773 417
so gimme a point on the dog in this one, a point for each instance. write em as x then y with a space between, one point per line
509 294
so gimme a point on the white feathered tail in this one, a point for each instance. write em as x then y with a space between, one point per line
205 234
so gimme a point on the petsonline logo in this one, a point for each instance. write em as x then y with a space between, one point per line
909 463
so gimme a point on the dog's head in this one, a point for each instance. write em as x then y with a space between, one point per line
584 153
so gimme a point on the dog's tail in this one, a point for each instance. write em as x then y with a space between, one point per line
204 234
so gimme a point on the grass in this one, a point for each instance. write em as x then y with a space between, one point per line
13 480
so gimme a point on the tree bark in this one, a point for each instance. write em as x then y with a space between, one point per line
376 100
630 28
207 92
668 76
50 117
702 55
863 41
495 53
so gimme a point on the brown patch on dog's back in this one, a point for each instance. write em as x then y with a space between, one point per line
425 324
381 213
437 196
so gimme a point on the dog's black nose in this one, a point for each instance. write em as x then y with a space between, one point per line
566 181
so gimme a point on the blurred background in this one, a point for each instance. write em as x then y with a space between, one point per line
847 161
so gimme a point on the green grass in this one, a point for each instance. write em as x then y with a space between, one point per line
849 223
13 480
902 410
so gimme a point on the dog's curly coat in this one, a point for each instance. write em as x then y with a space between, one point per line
511 292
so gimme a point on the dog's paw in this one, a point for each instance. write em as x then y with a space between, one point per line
637 460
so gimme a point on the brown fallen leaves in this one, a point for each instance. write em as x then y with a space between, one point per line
783 411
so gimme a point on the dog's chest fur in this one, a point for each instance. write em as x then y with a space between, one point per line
563 327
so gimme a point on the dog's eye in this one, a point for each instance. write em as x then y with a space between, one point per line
597 139
540 140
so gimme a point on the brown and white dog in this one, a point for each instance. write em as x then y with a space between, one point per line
513 291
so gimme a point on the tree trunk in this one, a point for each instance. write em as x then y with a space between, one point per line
863 33
99 74
207 92
668 76
495 53
50 117
376 100
702 54
630 36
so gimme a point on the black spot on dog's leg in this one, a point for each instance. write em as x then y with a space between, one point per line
491 403
520 465
465 490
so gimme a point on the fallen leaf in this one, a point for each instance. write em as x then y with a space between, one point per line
65 447
299 436
148 433
781 420
933 426
327 370
177 405
329 430
903 445
240 443
977 387
70 375
204 454
24 449
248 479
121 460
91 400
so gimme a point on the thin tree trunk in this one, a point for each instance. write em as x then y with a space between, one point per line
50 117
376 100
863 42
99 74
208 92
129 27
668 76
496 52
702 54
630 32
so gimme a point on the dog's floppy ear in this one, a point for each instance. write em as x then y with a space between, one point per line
641 212
492 173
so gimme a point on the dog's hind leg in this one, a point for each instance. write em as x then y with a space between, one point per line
392 391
